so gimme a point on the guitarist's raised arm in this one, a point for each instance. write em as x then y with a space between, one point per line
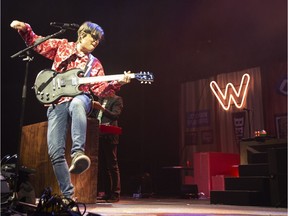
47 49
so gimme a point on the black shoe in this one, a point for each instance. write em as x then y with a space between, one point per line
108 199
105 197
80 163
113 199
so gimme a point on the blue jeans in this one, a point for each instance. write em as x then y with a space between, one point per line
59 118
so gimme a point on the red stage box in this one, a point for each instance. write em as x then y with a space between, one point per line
218 183
208 164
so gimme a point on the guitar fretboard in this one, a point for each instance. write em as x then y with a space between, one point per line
85 80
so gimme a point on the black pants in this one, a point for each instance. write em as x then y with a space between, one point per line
109 173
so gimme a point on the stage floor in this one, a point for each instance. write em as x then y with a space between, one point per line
175 207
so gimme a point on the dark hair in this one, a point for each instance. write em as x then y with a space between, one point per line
91 28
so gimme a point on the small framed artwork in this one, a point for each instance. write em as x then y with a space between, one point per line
207 137
191 138
281 126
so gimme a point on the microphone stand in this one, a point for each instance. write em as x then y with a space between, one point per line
27 58
249 121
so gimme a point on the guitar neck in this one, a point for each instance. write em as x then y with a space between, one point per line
85 80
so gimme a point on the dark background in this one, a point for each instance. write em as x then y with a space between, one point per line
176 40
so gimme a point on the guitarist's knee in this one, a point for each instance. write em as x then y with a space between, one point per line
81 103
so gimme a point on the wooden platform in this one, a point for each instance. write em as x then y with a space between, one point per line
34 154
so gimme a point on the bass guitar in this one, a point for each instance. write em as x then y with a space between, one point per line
51 85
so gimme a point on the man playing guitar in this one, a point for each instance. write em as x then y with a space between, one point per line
71 109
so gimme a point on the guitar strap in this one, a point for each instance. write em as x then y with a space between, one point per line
88 66
87 72
99 117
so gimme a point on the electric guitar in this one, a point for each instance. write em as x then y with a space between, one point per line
50 85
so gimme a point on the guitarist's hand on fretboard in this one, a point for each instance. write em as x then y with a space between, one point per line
126 78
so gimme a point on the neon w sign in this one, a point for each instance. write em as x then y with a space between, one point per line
231 94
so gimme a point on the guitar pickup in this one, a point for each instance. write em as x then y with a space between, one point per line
61 83
54 84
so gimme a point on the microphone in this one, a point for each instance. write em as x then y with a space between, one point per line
71 26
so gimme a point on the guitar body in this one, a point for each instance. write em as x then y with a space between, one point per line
50 85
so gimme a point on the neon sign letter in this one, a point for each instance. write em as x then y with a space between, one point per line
233 95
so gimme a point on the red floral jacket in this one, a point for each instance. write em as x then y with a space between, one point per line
65 57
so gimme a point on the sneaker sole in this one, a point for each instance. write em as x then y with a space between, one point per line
81 164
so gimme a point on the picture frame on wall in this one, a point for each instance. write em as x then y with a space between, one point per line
281 126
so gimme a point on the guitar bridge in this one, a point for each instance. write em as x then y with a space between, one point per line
74 81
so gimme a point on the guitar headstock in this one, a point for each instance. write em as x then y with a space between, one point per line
144 77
